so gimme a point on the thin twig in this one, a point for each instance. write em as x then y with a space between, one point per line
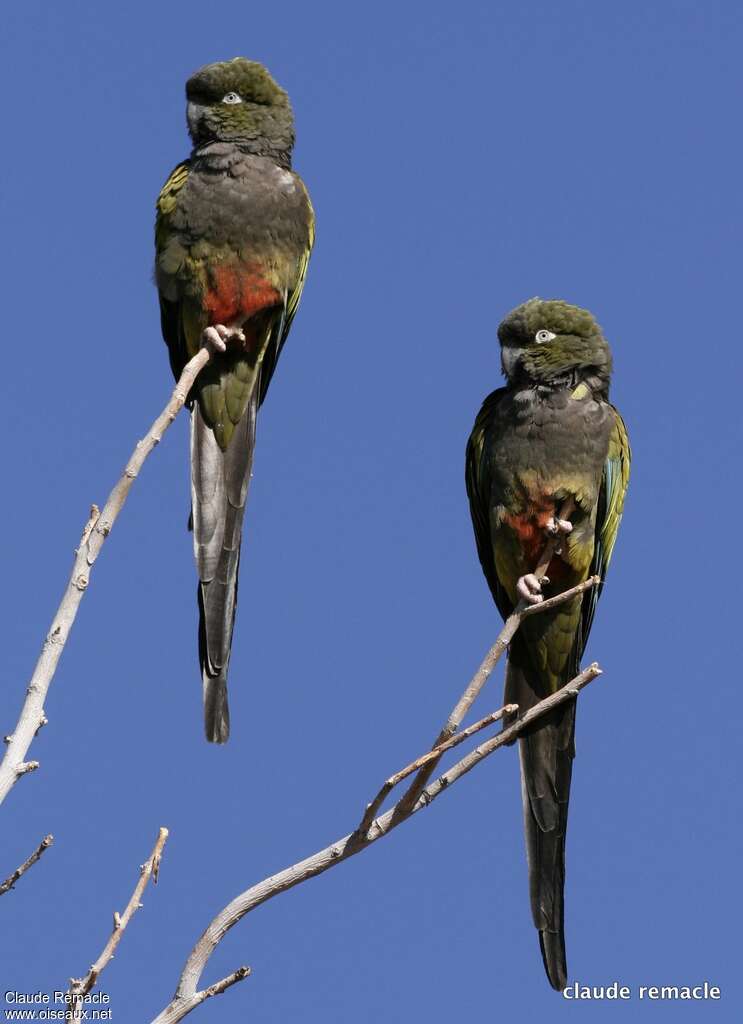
554 544
221 986
521 611
80 987
96 530
511 625
10 881
372 809
187 997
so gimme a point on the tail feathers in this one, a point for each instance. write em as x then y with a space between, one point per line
219 488
552 945
216 709
546 754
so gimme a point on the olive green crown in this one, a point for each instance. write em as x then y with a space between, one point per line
573 346
237 101
553 315
249 79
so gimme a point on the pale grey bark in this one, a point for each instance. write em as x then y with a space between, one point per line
80 987
10 881
187 996
372 828
98 527
512 623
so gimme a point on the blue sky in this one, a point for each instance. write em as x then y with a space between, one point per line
460 160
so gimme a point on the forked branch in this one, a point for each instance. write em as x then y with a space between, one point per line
373 825
419 795
187 997
512 623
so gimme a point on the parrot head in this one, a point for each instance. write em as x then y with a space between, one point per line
237 101
548 341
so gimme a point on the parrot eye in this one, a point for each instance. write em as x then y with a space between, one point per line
232 97
541 336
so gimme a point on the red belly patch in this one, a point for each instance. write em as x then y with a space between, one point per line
237 292
531 531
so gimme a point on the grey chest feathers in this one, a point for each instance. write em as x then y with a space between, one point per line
236 199
545 439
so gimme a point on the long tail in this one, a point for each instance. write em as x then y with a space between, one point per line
546 754
219 489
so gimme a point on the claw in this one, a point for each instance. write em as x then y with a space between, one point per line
529 589
219 335
555 526
229 333
211 338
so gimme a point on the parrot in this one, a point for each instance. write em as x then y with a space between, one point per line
548 456
234 230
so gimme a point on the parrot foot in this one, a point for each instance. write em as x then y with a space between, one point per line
555 526
216 337
529 588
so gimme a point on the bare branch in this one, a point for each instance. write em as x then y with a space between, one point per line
491 659
187 997
32 718
10 881
80 987
372 809
189 1003
96 530
554 544
511 625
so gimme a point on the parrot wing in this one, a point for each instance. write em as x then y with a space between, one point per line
476 479
170 310
608 517
276 343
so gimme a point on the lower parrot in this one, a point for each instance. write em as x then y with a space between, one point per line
548 457
233 236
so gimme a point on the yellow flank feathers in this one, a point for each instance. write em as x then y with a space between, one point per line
169 192
619 457
167 200
295 295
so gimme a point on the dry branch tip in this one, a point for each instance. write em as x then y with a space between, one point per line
82 986
95 531
10 881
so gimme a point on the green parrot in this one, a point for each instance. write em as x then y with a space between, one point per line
549 440
233 236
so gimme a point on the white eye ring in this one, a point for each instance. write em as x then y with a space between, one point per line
541 336
232 97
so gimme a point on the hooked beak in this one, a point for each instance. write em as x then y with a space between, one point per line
510 357
194 117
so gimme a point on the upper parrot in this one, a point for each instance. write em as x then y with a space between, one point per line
547 442
233 237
